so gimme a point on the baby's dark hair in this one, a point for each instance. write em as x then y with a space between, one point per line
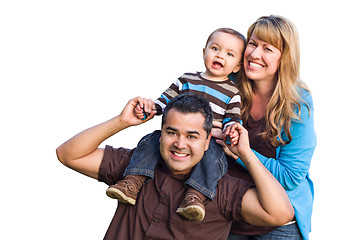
191 103
229 31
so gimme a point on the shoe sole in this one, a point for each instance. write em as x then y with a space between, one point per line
117 194
194 213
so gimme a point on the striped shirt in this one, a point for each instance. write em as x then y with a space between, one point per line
223 96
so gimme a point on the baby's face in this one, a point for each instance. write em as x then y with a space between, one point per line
222 55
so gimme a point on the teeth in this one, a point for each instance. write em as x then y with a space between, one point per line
180 154
252 64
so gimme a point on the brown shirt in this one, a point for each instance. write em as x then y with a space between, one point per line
154 215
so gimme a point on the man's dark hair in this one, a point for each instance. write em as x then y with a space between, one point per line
191 103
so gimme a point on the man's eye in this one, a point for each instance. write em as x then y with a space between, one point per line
192 137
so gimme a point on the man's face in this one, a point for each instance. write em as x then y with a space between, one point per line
183 141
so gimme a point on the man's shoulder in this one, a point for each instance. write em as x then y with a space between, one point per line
227 179
229 185
113 164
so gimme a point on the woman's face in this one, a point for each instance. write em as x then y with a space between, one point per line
261 60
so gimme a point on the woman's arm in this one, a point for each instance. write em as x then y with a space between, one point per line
293 160
269 204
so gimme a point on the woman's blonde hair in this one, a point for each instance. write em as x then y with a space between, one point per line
281 109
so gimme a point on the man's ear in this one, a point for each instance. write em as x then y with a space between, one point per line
208 142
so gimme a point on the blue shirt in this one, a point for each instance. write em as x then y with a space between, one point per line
292 163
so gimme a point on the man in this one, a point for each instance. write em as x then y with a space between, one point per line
185 136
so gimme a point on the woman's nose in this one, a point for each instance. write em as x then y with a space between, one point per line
256 53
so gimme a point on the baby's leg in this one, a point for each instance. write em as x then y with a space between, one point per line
126 190
192 206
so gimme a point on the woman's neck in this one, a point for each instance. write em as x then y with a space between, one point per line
264 90
262 93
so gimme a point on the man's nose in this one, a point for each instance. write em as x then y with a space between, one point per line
180 142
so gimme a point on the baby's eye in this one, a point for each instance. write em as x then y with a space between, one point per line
214 48
230 54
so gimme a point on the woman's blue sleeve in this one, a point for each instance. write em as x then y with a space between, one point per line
292 163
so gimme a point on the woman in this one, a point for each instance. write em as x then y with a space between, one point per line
277 112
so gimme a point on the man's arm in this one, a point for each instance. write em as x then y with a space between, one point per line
81 152
268 204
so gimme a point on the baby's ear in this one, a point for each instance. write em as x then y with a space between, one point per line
237 68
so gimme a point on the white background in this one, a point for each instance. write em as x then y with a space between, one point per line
68 65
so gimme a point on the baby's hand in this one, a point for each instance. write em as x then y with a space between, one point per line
232 135
139 112
144 109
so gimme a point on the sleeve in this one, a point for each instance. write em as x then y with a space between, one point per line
170 93
293 160
231 195
232 112
113 164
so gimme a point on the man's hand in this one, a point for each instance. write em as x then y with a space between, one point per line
216 131
82 152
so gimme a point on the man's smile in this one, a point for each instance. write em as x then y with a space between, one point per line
179 155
